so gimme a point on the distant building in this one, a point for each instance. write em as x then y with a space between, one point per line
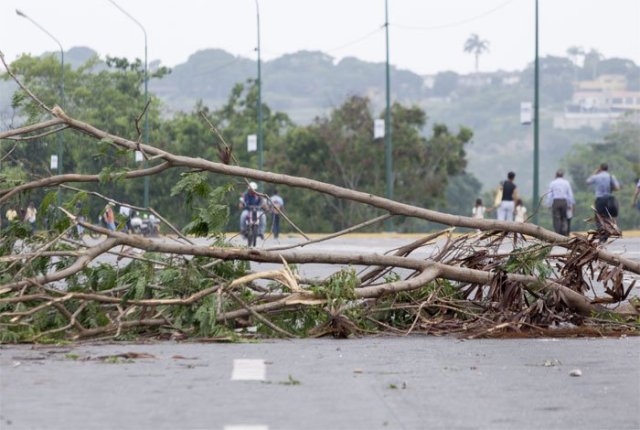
428 81
604 83
599 102
475 80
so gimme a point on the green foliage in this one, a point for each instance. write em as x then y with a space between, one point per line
192 185
205 317
12 176
529 260
213 217
340 287
398 310
298 321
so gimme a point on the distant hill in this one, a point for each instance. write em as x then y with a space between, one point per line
303 85
307 84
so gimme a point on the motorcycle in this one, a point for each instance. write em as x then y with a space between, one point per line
147 226
252 225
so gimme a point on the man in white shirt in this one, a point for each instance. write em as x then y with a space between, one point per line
560 198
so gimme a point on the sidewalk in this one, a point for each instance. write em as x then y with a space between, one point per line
396 235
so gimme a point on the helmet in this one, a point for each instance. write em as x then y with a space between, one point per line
253 186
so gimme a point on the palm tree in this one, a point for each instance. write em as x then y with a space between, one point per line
575 52
591 60
476 46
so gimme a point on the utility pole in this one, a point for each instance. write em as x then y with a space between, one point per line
146 98
387 118
536 128
59 137
259 107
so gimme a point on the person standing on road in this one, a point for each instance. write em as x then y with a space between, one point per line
635 202
125 212
509 196
30 216
560 199
277 206
109 217
479 210
11 215
520 211
604 184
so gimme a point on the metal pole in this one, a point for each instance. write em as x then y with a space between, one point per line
536 134
387 120
146 97
59 137
259 106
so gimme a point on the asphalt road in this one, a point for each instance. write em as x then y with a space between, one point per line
411 382
374 383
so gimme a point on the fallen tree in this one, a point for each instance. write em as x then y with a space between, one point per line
510 278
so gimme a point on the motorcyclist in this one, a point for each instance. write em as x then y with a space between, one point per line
252 198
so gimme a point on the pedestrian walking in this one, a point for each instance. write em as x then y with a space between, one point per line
126 213
506 209
570 212
562 203
79 217
30 216
604 184
497 197
11 214
277 206
478 211
109 217
520 211
635 201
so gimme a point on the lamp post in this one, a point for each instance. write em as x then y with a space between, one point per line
536 125
59 137
259 106
387 119
146 97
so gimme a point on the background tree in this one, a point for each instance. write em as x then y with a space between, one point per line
476 46
108 94
621 150
340 149
336 148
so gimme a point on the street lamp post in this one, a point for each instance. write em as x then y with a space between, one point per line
536 125
259 106
146 97
387 120
59 137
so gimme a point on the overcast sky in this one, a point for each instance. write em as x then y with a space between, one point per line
426 36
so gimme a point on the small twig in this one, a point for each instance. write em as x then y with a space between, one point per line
265 321
334 235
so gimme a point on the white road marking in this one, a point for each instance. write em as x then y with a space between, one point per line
246 427
248 370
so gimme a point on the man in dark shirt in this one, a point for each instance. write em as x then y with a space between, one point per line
509 196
